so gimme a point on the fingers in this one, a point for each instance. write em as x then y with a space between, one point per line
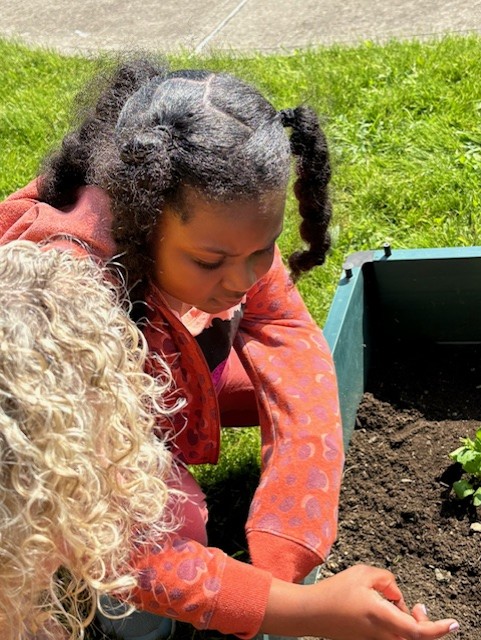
419 613
385 584
388 611
418 626
433 630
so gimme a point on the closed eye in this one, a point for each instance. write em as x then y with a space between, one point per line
268 249
209 266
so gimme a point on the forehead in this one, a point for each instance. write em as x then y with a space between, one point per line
205 221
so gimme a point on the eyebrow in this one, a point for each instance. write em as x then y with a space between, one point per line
226 254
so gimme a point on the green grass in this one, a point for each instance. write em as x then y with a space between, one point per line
404 125
403 121
37 89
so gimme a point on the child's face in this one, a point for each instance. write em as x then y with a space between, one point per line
213 259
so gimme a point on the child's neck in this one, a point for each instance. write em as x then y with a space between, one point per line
181 308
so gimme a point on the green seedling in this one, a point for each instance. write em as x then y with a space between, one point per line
469 457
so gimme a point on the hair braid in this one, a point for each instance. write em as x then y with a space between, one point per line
69 167
313 169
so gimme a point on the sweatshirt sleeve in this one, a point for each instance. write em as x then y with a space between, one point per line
82 227
202 586
293 517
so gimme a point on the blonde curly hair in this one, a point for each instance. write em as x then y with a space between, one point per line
82 477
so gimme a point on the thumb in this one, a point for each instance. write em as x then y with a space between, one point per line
418 626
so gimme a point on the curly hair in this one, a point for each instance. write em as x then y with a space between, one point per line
82 477
152 132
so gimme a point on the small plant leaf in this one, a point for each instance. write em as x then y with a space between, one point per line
472 464
477 442
477 497
458 453
463 489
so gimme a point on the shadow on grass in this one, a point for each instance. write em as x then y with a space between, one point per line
228 501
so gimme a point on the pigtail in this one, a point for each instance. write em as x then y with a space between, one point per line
64 171
131 165
97 109
313 170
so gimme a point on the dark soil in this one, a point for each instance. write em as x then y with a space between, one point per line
398 510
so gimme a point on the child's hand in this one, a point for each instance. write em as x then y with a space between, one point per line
361 603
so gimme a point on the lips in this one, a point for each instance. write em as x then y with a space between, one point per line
233 301
228 303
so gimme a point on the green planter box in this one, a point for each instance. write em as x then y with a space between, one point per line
391 297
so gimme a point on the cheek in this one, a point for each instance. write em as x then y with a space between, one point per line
207 284
194 280
263 264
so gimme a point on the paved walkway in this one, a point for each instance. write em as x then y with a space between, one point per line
244 25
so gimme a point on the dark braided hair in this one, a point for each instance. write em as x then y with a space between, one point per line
153 132
313 169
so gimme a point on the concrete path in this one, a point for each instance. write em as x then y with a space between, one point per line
244 25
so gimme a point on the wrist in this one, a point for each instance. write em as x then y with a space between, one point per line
288 609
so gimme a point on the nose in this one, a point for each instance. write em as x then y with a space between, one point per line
240 278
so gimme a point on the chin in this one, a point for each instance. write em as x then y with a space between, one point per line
214 306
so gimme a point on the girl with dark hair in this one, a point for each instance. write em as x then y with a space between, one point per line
181 176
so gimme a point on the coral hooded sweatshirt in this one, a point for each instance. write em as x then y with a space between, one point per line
293 516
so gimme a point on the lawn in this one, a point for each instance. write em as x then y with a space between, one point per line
404 125
403 121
